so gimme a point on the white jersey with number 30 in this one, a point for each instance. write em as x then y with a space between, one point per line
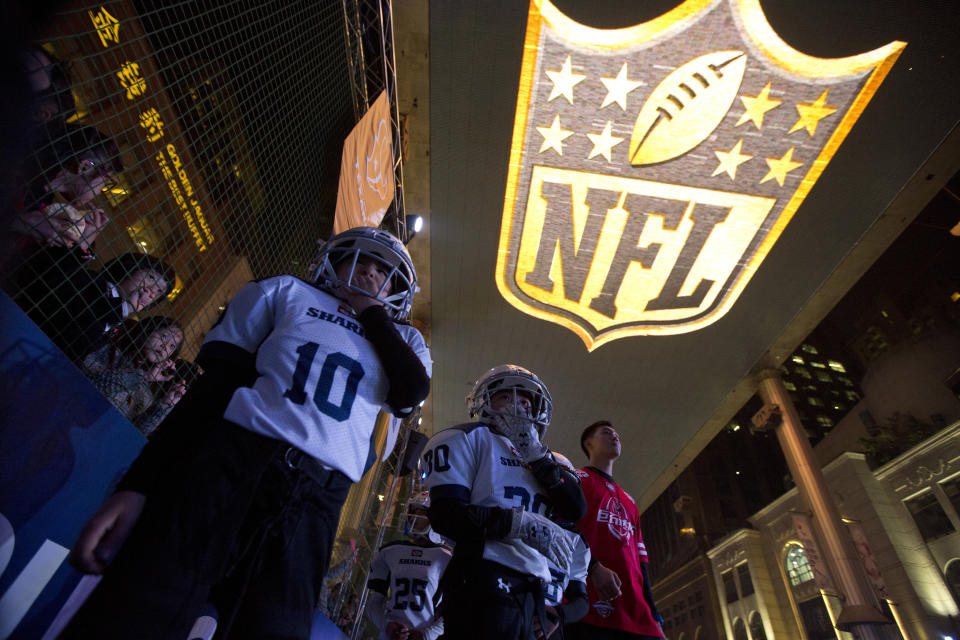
320 383
487 467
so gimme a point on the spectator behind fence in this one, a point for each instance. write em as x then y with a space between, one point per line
50 83
70 168
137 356
76 306
168 395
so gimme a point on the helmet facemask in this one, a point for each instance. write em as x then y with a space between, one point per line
418 523
379 246
528 401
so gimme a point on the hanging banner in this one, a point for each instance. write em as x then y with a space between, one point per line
653 167
817 564
869 561
366 170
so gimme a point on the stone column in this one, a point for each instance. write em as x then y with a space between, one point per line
859 615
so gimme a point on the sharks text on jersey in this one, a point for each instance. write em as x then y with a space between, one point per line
313 312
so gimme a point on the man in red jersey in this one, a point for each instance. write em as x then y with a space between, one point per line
618 584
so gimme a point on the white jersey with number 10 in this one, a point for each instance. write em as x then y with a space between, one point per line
320 383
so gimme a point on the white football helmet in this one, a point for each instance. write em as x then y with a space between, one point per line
381 246
417 525
511 377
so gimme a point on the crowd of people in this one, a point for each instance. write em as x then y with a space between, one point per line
234 503
96 316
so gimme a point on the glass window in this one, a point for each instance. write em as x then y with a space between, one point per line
809 348
952 488
797 566
824 421
816 620
729 587
836 366
797 359
814 401
818 365
852 396
929 516
739 630
803 373
743 576
756 627
823 376
789 385
953 578
847 382
144 235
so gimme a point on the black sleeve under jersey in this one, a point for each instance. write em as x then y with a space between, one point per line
406 375
576 604
647 591
562 487
466 523
226 367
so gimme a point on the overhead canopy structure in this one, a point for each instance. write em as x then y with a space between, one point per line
625 160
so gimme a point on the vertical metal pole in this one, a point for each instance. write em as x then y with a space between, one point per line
388 46
381 530
860 615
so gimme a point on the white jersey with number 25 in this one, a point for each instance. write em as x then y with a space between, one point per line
412 575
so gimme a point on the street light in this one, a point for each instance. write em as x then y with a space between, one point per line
414 224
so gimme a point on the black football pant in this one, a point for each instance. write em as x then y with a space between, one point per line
233 523
487 601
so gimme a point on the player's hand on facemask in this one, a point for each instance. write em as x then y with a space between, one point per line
544 535
359 301
527 443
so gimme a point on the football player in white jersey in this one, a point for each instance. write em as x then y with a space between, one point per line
566 594
405 579
492 486
236 501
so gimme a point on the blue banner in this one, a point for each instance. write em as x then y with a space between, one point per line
62 449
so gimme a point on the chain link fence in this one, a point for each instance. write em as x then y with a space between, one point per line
179 150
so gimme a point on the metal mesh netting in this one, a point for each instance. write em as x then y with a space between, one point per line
373 515
205 135
181 149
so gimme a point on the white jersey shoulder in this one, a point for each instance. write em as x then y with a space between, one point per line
491 474
411 574
320 383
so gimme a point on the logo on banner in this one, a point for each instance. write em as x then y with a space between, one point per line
653 167
366 186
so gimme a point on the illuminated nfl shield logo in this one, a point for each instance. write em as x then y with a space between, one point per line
653 167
